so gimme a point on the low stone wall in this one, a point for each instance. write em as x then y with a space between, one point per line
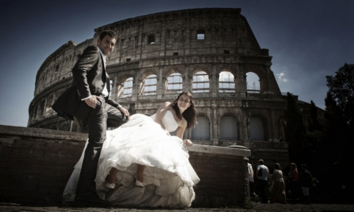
35 165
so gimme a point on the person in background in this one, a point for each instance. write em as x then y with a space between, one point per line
251 180
262 180
278 189
306 181
293 179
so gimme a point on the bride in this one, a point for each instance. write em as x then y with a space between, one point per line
142 165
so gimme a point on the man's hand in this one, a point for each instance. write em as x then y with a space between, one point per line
124 111
92 101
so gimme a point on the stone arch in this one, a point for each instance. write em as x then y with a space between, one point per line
260 71
34 112
144 73
200 80
226 81
253 82
204 68
202 130
148 83
258 127
230 69
172 70
174 82
125 86
229 127
40 110
48 106
281 128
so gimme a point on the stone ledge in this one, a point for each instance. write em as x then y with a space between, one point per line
81 137
218 150
41 133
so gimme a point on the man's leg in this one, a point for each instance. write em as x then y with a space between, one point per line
81 127
264 191
97 123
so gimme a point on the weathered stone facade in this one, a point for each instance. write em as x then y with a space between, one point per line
209 52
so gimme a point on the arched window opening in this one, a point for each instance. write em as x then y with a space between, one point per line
126 90
34 113
226 82
201 82
202 130
253 85
149 85
48 107
174 83
40 109
228 128
257 129
281 127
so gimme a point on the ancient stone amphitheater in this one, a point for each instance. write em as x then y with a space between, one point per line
211 52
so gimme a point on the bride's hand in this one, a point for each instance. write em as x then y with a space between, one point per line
187 142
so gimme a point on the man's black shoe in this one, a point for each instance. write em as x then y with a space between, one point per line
90 200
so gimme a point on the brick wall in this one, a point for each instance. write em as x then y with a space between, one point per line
35 165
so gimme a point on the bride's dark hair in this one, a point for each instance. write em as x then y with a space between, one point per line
190 114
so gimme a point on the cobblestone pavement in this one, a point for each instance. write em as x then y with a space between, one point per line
254 207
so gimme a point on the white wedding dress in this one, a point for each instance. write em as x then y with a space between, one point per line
168 177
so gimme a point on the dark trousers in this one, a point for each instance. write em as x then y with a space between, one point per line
96 124
295 190
263 192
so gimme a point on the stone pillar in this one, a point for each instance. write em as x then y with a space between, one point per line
187 81
136 88
214 125
160 84
246 125
114 91
241 82
214 77
272 125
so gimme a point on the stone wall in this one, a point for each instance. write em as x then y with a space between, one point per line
35 165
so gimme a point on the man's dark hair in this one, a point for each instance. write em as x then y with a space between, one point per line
109 33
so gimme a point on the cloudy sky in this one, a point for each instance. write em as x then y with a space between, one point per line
308 39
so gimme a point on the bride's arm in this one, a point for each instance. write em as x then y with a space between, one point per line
160 113
180 133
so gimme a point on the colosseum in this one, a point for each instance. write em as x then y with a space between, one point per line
211 52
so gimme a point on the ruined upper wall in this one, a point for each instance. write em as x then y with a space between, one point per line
183 32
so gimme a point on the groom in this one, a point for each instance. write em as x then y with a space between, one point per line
88 103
